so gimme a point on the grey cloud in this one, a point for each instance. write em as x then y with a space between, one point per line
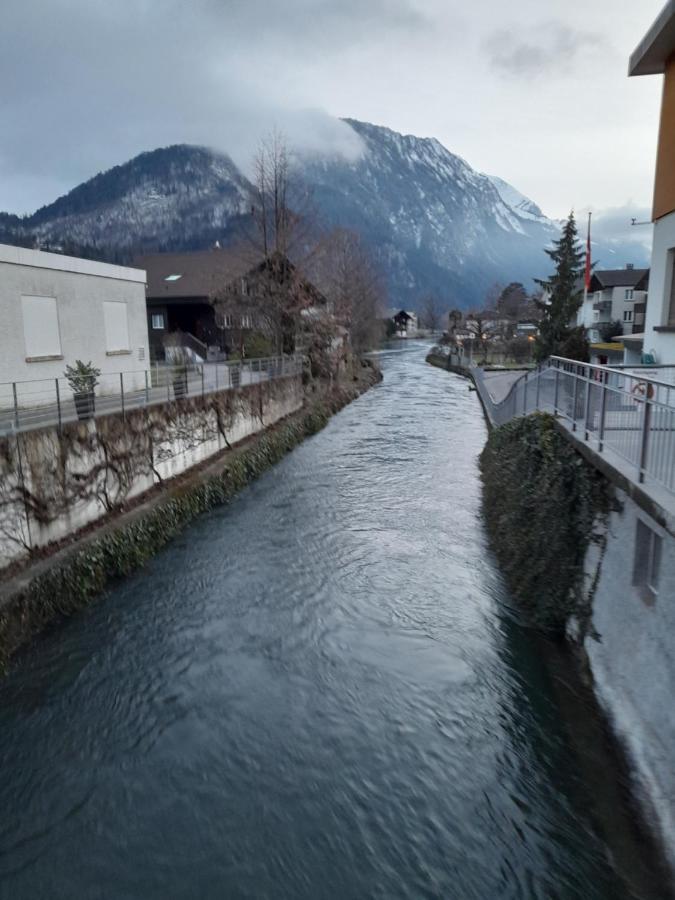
88 83
613 226
540 49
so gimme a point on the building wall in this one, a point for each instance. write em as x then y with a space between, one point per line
664 187
81 288
661 343
633 658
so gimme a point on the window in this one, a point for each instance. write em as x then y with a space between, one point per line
244 286
245 321
157 321
670 270
116 328
41 335
628 315
172 277
628 294
647 563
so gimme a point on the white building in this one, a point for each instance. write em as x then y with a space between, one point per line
615 295
57 309
656 55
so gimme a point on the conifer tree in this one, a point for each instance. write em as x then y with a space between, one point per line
558 334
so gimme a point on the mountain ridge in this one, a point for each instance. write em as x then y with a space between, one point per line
435 224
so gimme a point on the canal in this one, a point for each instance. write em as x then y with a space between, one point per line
317 691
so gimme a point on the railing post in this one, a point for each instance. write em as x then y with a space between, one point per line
603 406
16 405
147 389
538 377
644 443
525 394
587 406
58 402
574 402
555 395
122 393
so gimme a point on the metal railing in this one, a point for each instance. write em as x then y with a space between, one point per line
26 405
616 411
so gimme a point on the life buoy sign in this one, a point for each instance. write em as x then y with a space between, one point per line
643 389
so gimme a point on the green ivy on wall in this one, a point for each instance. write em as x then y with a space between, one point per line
543 505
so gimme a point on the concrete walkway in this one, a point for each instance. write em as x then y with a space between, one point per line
499 382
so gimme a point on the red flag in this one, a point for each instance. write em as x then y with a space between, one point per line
587 275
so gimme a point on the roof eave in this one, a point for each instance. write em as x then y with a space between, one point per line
657 46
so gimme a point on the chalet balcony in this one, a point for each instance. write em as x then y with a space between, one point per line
602 306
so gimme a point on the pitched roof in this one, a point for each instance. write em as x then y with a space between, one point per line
197 274
630 278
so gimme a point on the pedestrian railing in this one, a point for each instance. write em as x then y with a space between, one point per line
25 405
616 411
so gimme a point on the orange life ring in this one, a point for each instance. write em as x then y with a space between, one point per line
643 389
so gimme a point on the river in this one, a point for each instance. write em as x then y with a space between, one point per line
315 692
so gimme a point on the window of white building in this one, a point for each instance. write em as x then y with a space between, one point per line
628 315
41 334
670 282
116 326
628 294
647 562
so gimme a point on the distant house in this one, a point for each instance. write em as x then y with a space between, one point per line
405 323
656 55
57 309
615 295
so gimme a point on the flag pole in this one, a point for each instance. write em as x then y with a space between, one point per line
587 272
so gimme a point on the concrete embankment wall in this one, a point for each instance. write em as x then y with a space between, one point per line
54 482
629 639
632 656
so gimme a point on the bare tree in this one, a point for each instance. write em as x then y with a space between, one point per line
431 312
344 270
281 208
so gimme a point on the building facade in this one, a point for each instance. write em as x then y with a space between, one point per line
57 309
615 296
656 55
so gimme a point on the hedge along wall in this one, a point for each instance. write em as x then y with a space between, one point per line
544 506
85 570
53 482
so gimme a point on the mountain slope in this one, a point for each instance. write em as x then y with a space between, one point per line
434 223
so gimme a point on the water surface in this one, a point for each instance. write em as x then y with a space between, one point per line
314 692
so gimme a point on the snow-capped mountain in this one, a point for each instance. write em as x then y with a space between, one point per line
434 223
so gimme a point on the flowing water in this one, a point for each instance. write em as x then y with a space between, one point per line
314 692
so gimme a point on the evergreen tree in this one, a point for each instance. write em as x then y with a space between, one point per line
557 329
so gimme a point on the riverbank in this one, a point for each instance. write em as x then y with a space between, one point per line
73 572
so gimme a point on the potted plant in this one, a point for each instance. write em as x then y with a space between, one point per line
82 379
179 360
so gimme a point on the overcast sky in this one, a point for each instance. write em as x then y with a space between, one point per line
535 92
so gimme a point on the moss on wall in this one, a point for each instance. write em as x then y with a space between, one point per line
543 505
69 585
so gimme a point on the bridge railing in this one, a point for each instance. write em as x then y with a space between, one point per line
26 405
616 411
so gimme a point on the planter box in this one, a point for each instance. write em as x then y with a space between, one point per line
85 404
